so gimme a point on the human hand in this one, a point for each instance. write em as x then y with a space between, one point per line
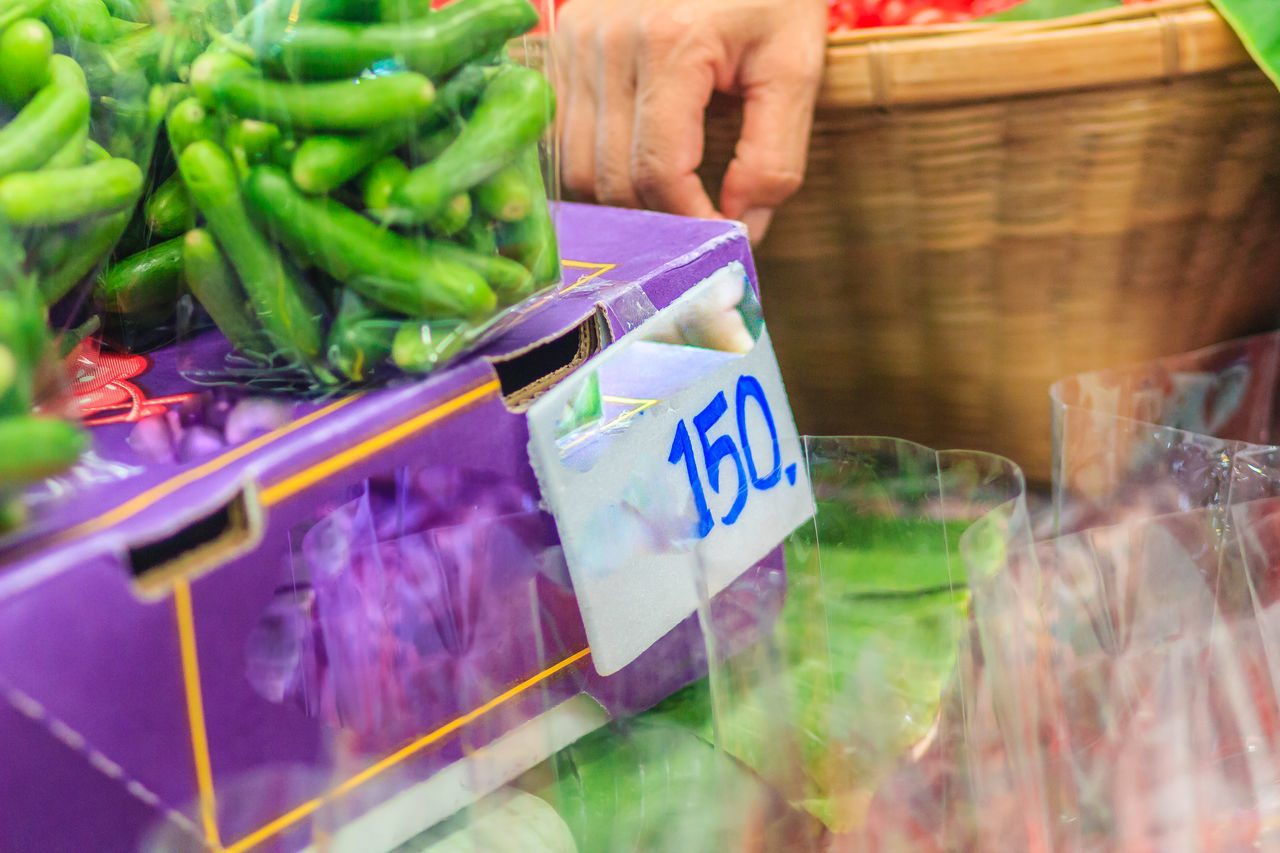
634 80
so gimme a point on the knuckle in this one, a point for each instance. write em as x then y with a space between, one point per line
649 171
662 32
786 183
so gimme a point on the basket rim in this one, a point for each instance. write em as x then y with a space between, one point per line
1151 43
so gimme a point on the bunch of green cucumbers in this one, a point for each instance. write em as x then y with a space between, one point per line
37 445
65 197
355 187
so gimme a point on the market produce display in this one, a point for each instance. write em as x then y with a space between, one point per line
346 192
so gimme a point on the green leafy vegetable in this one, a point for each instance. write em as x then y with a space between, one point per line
1044 10
1257 23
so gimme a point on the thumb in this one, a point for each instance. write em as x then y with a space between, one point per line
769 160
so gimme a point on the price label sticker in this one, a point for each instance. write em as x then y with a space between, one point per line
672 464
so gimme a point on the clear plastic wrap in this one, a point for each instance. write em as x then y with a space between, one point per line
344 193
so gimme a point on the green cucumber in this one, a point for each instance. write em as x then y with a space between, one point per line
251 28
121 27
188 122
433 45
532 241
508 278
25 50
400 11
23 333
127 10
422 347
361 11
290 313
50 247
381 181
36 447
59 196
72 153
347 105
95 153
511 115
48 120
453 218
324 163
16 10
150 280
213 68
95 240
214 286
506 196
9 371
360 340
76 20
479 236
252 142
69 339
380 265
168 210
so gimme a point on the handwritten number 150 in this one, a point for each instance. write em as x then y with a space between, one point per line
715 452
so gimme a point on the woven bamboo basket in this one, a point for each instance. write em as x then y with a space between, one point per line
988 209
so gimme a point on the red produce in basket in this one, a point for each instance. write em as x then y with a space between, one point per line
863 14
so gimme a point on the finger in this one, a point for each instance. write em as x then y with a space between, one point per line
671 104
615 117
769 160
576 117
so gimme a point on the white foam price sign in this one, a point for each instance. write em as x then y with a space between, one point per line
672 465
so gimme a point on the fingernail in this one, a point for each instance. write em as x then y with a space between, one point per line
757 220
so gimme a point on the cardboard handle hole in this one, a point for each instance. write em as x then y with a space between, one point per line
525 375
205 543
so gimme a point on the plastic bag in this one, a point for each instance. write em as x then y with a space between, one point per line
1190 431
346 192
1136 673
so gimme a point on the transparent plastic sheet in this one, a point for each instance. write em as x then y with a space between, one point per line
1191 431
347 192
1136 672
861 722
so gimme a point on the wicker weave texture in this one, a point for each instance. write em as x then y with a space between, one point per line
944 264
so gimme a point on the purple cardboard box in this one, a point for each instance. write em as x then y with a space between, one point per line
240 625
